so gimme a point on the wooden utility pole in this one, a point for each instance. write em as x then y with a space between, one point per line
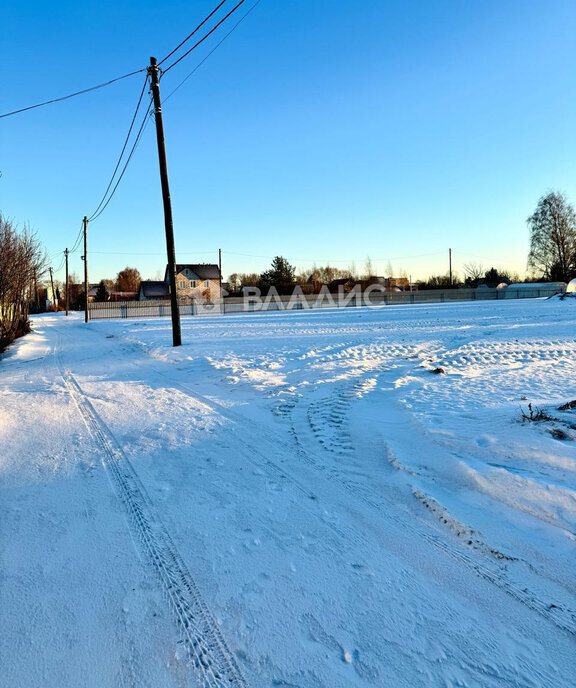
66 292
450 264
85 259
36 299
220 272
168 224
52 284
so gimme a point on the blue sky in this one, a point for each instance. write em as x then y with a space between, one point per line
320 130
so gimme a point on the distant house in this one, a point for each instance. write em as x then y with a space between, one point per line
92 290
398 282
200 281
374 281
342 283
153 291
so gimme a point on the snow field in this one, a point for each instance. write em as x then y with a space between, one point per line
344 516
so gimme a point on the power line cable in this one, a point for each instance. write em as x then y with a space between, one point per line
78 239
134 146
122 151
197 67
204 37
338 260
189 36
61 263
160 253
474 255
72 95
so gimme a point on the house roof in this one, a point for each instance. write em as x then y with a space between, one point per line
204 271
150 288
538 285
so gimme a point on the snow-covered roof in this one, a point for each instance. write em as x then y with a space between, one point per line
538 285
571 288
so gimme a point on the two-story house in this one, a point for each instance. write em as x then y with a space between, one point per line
197 281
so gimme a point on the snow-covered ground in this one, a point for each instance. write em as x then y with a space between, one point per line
291 499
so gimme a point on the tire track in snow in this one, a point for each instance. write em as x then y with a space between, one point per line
212 660
496 576
566 622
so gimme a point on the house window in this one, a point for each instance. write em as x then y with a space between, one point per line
206 283
181 284
193 284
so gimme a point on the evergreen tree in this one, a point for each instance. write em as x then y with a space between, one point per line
102 292
280 275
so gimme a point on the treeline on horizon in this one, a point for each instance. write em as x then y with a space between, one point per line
284 277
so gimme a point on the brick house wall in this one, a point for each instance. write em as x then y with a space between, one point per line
199 282
197 289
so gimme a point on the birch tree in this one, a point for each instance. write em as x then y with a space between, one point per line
553 238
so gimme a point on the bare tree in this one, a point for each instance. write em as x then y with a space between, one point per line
326 274
302 275
473 271
440 282
75 292
352 270
368 268
553 238
237 280
22 264
234 281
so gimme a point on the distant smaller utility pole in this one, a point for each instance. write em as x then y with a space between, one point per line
450 264
67 293
36 299
85 259
52 284
220 269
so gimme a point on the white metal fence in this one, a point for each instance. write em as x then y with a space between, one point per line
257 304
